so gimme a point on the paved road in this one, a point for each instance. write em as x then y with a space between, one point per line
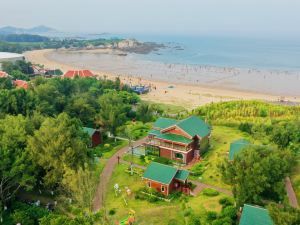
290 192
106 174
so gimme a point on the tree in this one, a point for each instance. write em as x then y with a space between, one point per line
112 113
81 108
284 215
80 185
6 83
257 172
58 146
16 101
16 168
145 112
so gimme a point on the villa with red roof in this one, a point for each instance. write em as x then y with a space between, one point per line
78 73
182 140
21 84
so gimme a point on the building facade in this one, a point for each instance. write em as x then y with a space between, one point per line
182 140
166 179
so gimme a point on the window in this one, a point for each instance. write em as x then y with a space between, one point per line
149 184
178 156
162 188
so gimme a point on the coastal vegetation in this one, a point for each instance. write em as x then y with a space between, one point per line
44 150
20 43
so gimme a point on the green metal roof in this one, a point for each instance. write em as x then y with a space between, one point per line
182 175
174 138
236 147
154 132
163 123
159 172
194 126
255 215
89 131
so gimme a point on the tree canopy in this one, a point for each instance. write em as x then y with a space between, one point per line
256 173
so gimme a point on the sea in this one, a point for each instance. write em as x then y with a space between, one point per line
266 65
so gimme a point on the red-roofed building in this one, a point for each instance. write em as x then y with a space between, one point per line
21 84
3 74
78 73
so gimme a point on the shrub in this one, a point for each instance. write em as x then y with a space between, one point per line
112 212
163 160
198 169
229 211
211 215
225 202
192 185
187 212
210 192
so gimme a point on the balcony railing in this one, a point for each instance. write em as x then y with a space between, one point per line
168 145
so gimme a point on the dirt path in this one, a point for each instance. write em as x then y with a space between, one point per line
291 194
201 186
106 174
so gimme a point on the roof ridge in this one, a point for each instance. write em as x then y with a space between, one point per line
255 206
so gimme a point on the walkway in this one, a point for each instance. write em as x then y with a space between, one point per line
200 186
290 192
106 174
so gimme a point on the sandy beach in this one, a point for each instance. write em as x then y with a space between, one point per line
170 92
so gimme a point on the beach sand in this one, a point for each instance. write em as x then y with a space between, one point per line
186 95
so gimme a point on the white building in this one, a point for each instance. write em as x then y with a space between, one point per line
11 57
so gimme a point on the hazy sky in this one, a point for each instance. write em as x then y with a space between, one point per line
244 17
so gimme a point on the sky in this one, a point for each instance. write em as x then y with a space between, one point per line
237 17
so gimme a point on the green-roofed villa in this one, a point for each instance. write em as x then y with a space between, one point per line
237 146
166 179
94 135
255 215
181 140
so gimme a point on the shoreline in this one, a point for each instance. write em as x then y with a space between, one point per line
184 94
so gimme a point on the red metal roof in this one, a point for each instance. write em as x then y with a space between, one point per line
21 84
79 73
3 74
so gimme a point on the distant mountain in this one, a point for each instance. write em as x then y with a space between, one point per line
34 30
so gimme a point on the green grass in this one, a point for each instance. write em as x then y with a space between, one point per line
151 213
168 108
134 159
110 147
221 138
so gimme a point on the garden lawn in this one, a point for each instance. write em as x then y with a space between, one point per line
150 213
134 159
221 138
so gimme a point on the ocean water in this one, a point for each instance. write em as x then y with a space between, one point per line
269 66
238 52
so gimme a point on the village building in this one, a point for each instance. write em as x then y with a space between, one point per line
255 215
3 74
166 179
95 136
237 146
21 84
183 141
78 73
